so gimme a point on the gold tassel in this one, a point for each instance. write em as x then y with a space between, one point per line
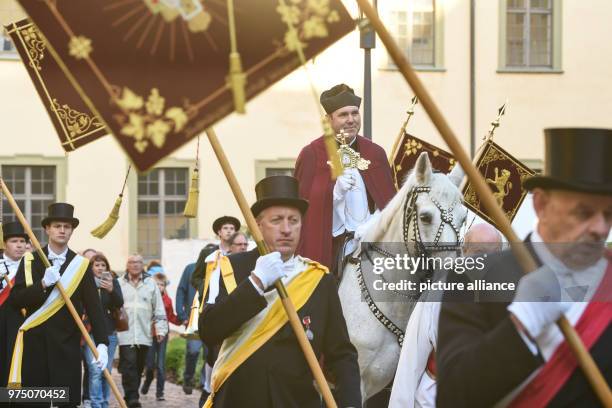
191 206
109 223
237 81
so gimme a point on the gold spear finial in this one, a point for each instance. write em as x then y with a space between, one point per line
495 124
413 102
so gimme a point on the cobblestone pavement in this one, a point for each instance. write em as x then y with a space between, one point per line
175 397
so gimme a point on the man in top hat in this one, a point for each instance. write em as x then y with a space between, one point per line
338 208
260 363
50 339
15 240
511 352
223 227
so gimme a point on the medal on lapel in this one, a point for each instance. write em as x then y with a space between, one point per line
306 322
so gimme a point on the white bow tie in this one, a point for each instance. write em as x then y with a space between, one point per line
59 259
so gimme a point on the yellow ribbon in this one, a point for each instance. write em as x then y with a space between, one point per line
71 278
227 274
299 289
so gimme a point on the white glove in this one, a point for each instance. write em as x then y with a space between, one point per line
344 183
528 305
102 359
269 269
52 275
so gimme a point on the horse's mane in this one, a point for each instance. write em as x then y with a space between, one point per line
382 222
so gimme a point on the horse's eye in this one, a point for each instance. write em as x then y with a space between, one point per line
425 218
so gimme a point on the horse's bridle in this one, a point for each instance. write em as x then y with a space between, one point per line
410 215
446 218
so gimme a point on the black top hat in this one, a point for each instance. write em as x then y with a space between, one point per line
226 219
12 230
338 97
60 212
576 159
278 190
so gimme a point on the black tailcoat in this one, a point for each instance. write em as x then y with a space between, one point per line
51 355
277 374
10 320
481 356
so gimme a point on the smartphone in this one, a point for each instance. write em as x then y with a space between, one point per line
107 276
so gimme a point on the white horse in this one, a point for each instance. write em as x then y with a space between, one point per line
427 209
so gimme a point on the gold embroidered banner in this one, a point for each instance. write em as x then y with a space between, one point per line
504 174
74 122
155 71
408 152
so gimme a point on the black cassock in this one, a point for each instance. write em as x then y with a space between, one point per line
481 356
51 351
277 374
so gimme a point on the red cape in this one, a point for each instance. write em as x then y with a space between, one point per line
316 186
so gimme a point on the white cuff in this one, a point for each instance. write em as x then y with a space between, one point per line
257 288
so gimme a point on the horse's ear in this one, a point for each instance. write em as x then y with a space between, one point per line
456 175
423 171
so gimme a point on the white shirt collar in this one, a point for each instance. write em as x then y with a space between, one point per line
547 257
53 255
8 260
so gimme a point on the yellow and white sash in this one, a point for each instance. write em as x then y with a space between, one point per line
227 274
70 280
259 329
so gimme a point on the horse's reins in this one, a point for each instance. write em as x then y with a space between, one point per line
410 215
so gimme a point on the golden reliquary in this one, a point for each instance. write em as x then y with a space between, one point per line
349 158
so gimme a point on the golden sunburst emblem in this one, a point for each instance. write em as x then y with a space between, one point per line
154 24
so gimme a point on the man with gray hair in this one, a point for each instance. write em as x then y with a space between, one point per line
144 306
481 239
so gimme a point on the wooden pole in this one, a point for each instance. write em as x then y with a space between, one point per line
294 321
486 197
59 286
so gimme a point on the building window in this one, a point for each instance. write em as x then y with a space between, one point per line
10 12
530 35
162 194
279 171
414 26
278 167
34 188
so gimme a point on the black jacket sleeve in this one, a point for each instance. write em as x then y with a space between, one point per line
93 307
339 353
229 312
34 296
480 356
115 298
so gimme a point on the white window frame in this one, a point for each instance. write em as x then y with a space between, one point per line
132 187
29 161
386 10
555 43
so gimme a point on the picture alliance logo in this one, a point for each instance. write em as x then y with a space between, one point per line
412 264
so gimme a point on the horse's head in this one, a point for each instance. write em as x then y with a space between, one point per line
428 208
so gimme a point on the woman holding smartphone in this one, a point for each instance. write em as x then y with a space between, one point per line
111 298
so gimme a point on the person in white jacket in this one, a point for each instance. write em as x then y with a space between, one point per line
144 307
415 380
